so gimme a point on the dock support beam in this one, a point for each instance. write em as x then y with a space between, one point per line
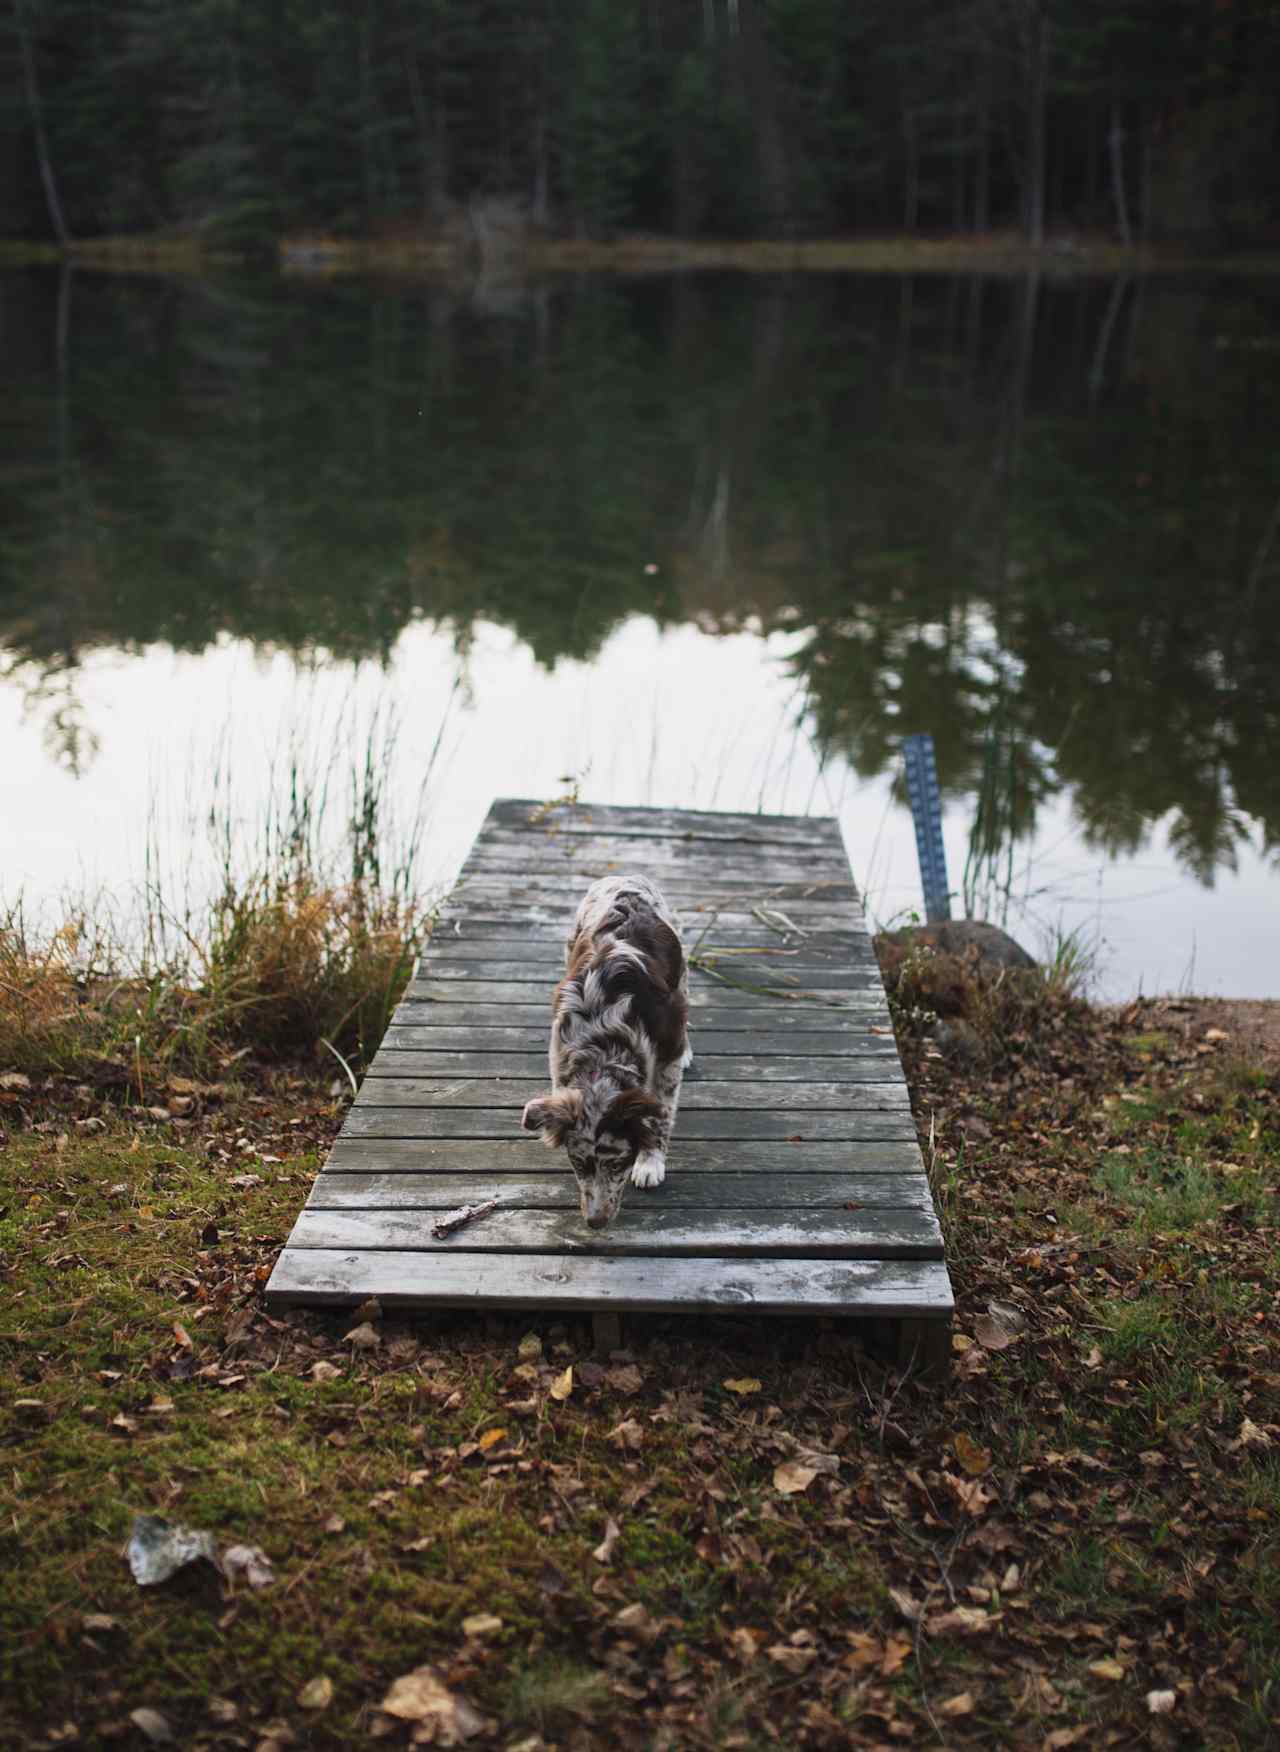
606 1332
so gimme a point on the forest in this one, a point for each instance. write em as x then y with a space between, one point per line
244 121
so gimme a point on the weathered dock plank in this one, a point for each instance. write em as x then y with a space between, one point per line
795 1183
516 1153
868 1233
564 1282
702 1190
757 1069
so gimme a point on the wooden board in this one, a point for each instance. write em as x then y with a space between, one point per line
685 1189
863 1012
370 1121
494 1094
777 1233
795 1183
771 1052
562 1282
518 1153
753 1071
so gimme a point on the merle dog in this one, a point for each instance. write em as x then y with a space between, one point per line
619 1044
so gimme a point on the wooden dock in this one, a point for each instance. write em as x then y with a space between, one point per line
794 1182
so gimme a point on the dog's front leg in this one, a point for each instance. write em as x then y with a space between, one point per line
651 1167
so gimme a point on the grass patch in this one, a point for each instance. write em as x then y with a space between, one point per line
1093 1493
301 950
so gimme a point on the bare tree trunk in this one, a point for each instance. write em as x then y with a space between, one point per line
1115 145
911 203
1036 49
762 96
420 120
982 174
56 217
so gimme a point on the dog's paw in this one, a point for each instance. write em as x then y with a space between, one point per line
650 1169
687 1060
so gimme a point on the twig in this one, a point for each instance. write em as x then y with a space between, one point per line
455 1219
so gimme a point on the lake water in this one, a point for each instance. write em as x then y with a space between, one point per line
701 539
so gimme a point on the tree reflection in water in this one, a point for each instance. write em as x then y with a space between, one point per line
1031 517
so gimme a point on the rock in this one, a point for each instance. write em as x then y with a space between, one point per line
964 937
959 1043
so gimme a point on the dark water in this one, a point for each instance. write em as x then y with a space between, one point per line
1037 518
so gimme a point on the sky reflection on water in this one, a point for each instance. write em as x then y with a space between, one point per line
674 717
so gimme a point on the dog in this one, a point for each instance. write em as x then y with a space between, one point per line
619 1044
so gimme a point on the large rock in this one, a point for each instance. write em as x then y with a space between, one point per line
962 937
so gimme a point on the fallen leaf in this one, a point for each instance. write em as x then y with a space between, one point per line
368 1310
1161 1702
1060 1737
1106 1669
181 1335
422 1696
1251 1436
490 1439
363 1337
635 1621
250 1560
748 1384
1002 1325
967 1620
316 1693
745 1643
530 1348
864 1650
794 1660
624 1378
896 1650
99 1621
790 1477
324 1372
907 1604
612 1533
971 1455
481 1625
562 1386
627 1434
151 1723
959 1705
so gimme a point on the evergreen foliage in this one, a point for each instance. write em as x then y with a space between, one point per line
708 117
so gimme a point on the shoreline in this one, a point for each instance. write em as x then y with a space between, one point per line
320 255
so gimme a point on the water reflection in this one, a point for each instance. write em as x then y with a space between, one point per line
1038 519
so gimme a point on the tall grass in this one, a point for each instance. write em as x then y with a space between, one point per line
299 945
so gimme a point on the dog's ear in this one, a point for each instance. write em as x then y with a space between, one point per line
553 1115
634 1115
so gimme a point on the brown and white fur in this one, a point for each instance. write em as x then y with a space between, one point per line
619 1044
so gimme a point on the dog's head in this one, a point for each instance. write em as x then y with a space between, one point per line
602 1135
